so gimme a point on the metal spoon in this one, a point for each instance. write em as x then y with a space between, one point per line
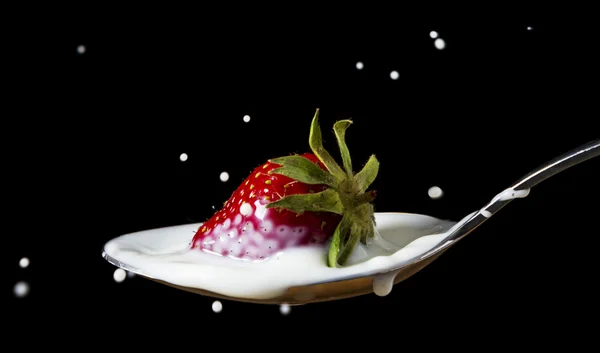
352 287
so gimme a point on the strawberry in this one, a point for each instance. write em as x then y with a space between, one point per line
295 201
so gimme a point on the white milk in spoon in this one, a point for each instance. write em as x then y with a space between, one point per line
164 254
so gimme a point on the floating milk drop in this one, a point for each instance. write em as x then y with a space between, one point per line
21 289
119 275
435 192
285 309
439 43
224 176
217 307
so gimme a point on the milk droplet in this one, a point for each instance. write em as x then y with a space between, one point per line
433 34
383 283
285 309
119 275
439 43
81 49
510 194
435 192
246 209
224 176
21 289
183 157
360 65
394 75
24 262
529 28
217 307
261 210
246 118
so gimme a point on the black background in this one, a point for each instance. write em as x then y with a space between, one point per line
92 144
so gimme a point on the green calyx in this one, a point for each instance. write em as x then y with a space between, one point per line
347 194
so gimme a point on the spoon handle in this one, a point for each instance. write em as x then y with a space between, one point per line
521 189
558 164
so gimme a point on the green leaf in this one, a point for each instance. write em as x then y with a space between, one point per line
340 133
303 170
367 175
324 201
316 144
349 247
339 236
341 232
334 248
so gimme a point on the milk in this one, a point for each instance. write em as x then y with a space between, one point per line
164 254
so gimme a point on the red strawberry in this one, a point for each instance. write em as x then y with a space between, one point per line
294 201
246 228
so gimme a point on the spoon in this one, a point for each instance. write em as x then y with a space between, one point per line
363 284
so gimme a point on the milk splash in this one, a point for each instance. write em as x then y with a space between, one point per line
508 194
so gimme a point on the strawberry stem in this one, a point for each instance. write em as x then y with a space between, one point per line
347 195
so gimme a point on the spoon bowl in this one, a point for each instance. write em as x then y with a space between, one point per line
361 283
320 292
167 250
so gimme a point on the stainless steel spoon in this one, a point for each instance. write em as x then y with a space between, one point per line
360 285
